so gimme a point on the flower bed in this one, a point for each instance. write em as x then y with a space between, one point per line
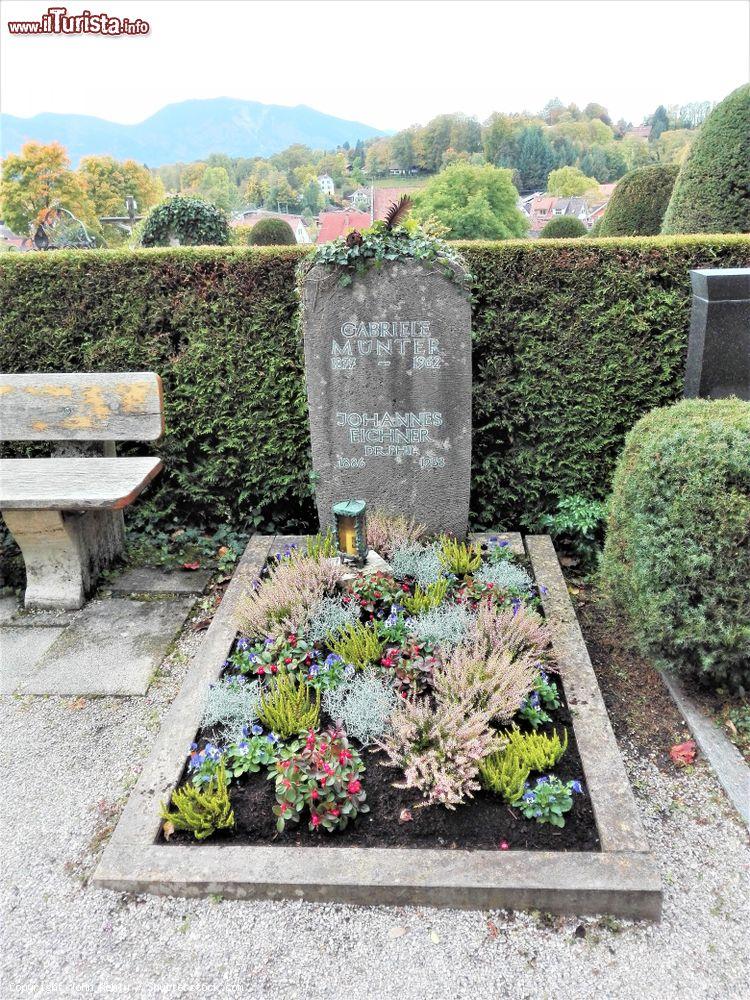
413 707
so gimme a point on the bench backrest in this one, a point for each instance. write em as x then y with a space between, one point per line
123 406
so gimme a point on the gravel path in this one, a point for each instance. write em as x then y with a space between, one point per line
67 765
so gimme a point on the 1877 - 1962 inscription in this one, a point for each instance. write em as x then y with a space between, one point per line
388 364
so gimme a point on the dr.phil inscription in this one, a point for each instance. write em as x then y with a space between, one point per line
388 363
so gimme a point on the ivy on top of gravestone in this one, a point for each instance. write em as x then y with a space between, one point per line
393 238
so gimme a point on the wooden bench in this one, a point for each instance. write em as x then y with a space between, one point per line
65 512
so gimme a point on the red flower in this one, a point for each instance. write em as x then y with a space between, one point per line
292 640
353 787
335 812
288 659
286 783
274 668
315 820
378 594
261 670
314 794
283 807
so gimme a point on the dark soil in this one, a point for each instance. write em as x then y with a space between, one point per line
639 705
481 824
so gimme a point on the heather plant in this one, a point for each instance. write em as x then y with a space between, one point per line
388 532
538 751
505 774
282 601
231 704
444 626
362 706
323 775
288 706
201 811
494 683
517 629
506 576
425 597
548 800
418 562
329 617
359 644
460 558
439 749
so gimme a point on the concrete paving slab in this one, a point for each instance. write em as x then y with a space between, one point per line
40 618
154 580
20 651
113 649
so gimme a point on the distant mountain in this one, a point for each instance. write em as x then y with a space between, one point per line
190 130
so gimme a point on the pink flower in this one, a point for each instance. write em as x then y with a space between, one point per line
283 807
353 787
315 820
335 812
504 845
286 783
314 794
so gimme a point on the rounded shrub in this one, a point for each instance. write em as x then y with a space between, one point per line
677 553
271 233
712 190
189 220
566 227
639 202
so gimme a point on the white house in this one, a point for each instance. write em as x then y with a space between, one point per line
325 183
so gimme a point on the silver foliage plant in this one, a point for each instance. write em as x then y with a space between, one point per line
444 626
330 616
231 704
362 705
421 562
504 575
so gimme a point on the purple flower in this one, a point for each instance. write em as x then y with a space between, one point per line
576 786
529 797
257 730
243 643
349 670
272 738
331 659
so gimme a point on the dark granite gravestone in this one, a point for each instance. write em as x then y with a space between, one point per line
388 362
718 360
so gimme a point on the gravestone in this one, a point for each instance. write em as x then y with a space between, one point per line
718 359
388 363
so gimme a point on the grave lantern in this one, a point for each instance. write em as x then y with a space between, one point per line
350 528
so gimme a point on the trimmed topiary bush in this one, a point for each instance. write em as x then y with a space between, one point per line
639 202
712 190
191 221
271 233
677 554
563 227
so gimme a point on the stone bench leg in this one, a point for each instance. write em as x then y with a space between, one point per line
64 552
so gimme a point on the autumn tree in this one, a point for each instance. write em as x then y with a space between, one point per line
107 182
568 181
39 178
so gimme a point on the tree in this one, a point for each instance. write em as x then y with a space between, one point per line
712 190
473 203
500 140
188 221
563 227
636 153
38 178
594 110
216 188
594 163
639 202
536 158
271 233
659 122
312 198
568 181
552 110
108 182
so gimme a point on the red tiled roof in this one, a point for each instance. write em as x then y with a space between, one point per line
335 224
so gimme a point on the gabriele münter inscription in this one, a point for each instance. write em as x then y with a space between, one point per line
388 364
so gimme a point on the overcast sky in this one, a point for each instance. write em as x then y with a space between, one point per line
389 64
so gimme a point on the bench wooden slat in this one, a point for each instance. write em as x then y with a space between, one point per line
121 406
73 483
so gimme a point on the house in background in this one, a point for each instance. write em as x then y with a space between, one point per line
326 185
639 132
251 216
540 208
361 199
335 224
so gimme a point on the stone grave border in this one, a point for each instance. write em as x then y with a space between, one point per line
621 879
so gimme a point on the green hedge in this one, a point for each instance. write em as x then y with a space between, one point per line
573 342
677 555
